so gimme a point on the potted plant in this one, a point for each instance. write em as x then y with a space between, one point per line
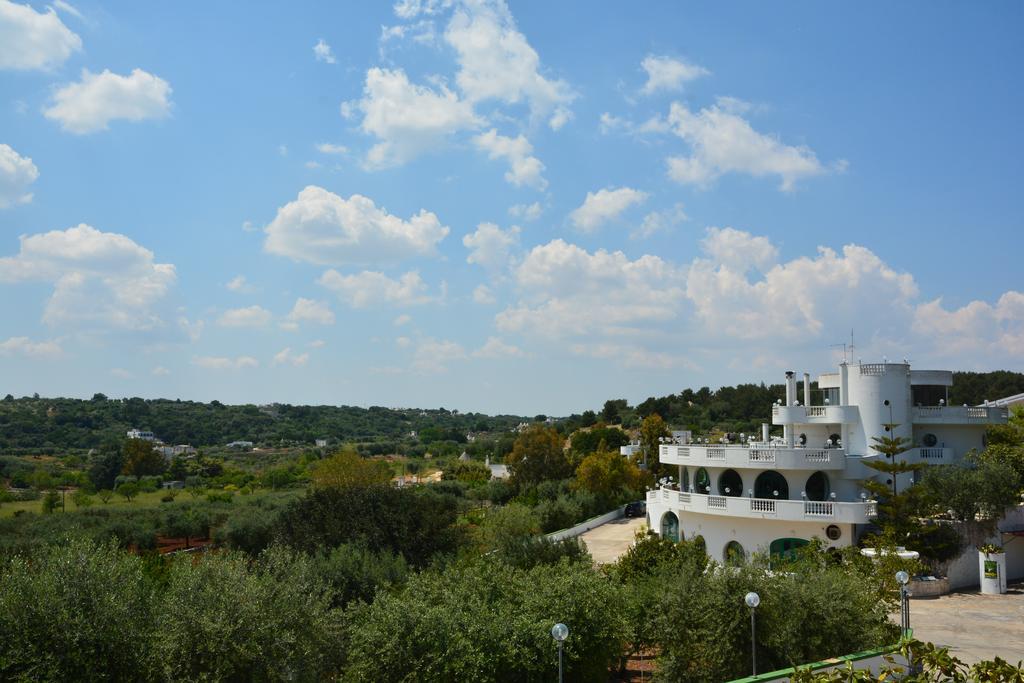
992 568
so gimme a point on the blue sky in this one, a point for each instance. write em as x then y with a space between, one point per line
518 208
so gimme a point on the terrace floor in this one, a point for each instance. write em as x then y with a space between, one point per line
973 626
610 540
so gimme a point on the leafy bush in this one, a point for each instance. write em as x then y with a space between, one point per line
356 573
75 612
488 622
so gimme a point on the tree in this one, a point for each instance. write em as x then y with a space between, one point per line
538 455
75 611
469 471
348 469
587 441
897 510
128 490
81 498
226 618
976 494
104 468
187 524
51 501
488 621
141 459
652 430
105 495
607 474
613 409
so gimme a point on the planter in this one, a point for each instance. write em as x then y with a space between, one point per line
992 569
929 587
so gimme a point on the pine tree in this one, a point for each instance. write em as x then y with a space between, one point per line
897 510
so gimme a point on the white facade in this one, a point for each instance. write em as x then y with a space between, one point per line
773 494
139 434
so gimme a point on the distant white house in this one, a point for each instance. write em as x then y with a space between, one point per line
497 471
139 434
240 444
321 443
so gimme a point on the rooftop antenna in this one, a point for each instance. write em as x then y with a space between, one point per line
847 348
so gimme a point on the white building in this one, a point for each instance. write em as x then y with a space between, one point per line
139 434
776 493
321 443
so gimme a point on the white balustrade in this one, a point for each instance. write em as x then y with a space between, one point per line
717 502
817 455
815 411
716 454
762 455
819 508
932 453
762 505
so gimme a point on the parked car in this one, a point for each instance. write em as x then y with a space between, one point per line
637 508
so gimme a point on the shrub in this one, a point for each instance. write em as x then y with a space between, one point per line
75 612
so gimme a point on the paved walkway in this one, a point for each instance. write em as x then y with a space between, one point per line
610 540
973 626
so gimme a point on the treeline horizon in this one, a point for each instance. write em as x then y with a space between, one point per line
54 423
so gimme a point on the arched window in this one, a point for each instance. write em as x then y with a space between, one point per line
772 485
701 481
818 487
785 548
730 484
670 526
734 554
684 482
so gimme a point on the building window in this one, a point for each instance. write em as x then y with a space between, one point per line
929 440
670 527
734 554
701 481
818 487
730 484
771 484
684 483
785 548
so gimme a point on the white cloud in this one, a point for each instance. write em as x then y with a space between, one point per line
92 103
496 62
16 174
723 142
160 371
193 330
321 227
496 348
403 319
798 300
490 246
23 346
286 357
98 277
250 316
524 169
528 212
282 150
483 295
331 148
312 165
121 373
322 52
247 226
609 122
407 119
739 250
308 310
434 356
373 288
410 9
317 344
239 284
666 73
659 221
68 8
605 205
33 40
978 330
402 342
570 292
225 363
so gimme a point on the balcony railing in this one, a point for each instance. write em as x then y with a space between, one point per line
754 455
960 414
762 508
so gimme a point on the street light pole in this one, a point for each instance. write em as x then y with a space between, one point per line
752 600
560 632
903 578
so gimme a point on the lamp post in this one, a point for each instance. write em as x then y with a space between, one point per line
903 578
560 632
752 600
